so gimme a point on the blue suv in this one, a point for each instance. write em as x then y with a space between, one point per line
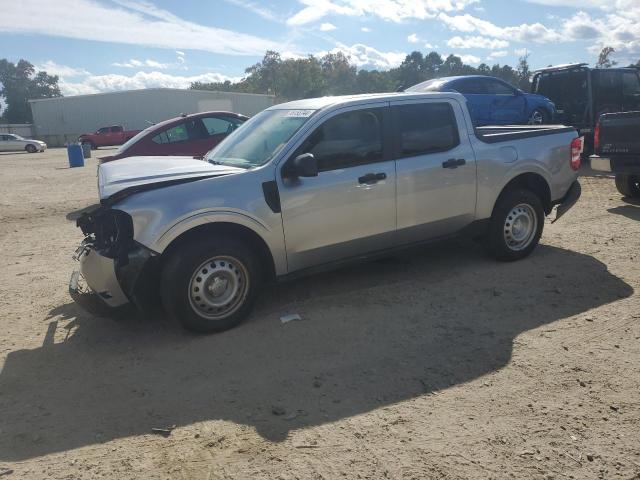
493 101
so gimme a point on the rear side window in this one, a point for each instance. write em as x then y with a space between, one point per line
497 88
174 134
220 125
630 83
346 140
608 81
470 86
424 128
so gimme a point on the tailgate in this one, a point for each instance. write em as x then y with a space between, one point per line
620 133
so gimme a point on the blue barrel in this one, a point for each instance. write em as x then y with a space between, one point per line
74 152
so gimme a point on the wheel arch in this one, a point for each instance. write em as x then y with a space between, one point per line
533 182
228 229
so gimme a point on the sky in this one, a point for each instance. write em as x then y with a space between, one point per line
104 45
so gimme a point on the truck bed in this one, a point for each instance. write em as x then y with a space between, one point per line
496 134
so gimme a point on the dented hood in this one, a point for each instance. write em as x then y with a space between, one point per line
143 173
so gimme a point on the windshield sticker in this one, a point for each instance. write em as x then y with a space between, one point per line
299 113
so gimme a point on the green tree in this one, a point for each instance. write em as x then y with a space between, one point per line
604 59
20 82
523 73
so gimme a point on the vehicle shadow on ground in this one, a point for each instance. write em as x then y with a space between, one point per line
631 211
371 335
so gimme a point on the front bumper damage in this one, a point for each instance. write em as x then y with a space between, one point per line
114 270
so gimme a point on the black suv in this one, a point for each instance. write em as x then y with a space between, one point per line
581 94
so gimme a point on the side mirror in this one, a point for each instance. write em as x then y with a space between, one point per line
304 165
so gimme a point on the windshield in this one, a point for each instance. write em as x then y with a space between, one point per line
259 139
134 139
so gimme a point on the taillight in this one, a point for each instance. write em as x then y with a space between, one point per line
596 138
577 145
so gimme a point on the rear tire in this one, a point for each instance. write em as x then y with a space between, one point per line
539 117
628 185
515 226
31 148
210 285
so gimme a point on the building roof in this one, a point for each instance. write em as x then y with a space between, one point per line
159 89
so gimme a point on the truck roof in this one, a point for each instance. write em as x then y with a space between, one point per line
569 66
322 102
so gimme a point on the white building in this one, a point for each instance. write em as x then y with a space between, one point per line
61 120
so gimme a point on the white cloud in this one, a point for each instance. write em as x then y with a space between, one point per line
428 45
139 80
477 42
521 52
364 56
256 8
327 27
130 23
392 10
535 32
469 59
135 63
413 38
497 54
365 29
52 68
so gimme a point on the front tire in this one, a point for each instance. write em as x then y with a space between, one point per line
628 185
515 226
539 117
31 148
210 286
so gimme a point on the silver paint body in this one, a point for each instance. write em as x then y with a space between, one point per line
332 216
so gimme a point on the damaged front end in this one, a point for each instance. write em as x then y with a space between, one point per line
114 269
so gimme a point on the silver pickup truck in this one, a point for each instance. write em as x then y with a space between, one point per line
312 184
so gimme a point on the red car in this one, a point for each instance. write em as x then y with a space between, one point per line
189 135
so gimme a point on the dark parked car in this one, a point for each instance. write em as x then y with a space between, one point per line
617 150
492 101
582 94
190 135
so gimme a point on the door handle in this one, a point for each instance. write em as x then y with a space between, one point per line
371 178
454 163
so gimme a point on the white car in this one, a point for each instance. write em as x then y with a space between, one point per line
10 142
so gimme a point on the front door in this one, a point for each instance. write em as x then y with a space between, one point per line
435 168
349 209
631 91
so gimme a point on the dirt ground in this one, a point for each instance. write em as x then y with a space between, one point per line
438 363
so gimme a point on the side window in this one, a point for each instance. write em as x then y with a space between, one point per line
609 80
178 133
103 130
3 138
219 125
630 83
497 88
346 140
424 128
471 86
116 129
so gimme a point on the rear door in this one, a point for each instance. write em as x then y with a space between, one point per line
631 91
507 105
176 139
435 168
607 91
349 209
478 102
